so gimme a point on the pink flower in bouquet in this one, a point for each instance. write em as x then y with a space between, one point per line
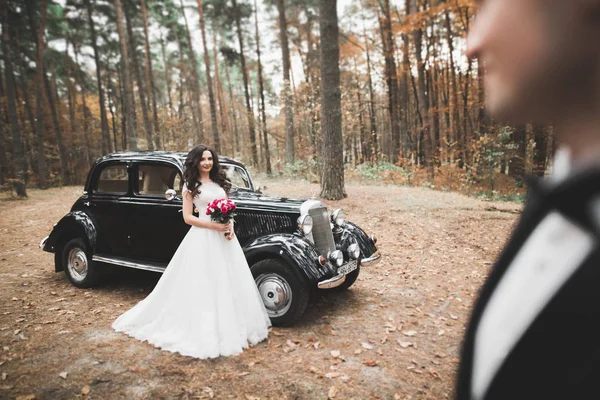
221 210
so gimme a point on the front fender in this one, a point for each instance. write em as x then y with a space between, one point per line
294 249
74 224
350 233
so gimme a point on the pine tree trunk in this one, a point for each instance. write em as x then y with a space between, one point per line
371 149
332 181
211 95
138 77
4 170
106 144
150 87
249 112
312 82
219 87
42 166
287 95
391 77
167 76
417 35
111 105
236 137
50 97
454 114
62 151
128 102
26 99
466 134
405 90
72 100
261 90
197 113
17 144
361 123
87 148
120 106
482 117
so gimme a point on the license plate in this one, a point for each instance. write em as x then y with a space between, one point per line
346 269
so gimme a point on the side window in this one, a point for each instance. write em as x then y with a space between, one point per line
113 179
237 176
156 179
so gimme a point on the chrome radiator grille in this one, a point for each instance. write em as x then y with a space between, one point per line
321 232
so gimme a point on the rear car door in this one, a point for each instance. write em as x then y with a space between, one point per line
156 224
110 192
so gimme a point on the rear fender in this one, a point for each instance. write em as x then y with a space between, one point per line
76 224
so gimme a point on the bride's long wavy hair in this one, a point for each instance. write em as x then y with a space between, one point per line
191 173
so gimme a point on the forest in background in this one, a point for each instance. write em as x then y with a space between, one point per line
83 78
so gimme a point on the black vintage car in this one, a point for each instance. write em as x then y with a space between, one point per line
130 215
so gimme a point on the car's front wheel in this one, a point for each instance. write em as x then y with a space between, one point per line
77 264
285 297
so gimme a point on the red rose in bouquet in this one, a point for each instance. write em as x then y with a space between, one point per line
221 210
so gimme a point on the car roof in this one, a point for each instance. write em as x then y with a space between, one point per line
177 157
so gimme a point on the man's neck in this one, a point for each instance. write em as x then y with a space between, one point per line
582 137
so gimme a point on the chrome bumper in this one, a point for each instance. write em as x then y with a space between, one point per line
375 256
332 282
43 242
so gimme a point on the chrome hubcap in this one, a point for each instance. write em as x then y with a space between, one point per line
77 264
276 294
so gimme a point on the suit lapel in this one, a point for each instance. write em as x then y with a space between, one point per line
570 199
557 355
532 214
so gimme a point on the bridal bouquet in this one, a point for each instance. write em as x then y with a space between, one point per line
221 210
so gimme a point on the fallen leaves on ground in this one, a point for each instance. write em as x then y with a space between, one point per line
424 284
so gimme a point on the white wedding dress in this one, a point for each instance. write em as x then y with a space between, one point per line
206 303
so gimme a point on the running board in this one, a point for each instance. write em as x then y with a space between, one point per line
123 262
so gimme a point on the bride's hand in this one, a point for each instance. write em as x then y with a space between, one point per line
231 234
221 227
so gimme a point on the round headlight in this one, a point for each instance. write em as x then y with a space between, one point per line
337 217
354 251
336 257
305 224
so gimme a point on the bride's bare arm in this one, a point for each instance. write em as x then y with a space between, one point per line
190 219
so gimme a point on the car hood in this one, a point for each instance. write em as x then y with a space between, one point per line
258 201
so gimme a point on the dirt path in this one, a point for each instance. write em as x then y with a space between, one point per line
394 335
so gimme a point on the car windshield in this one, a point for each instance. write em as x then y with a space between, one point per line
238 177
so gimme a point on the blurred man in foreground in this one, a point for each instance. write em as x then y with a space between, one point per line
535 329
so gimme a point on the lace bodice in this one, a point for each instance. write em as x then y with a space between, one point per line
208 192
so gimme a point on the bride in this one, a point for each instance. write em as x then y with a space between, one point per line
206 303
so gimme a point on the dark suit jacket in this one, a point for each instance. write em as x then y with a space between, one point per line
558 356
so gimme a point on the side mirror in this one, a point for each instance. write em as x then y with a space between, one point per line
170 194
258 187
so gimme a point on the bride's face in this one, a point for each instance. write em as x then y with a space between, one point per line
206 162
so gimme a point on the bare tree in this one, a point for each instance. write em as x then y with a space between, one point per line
129 105
15 130
211 95
249 112
150 87
287 91
261 89
332 179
